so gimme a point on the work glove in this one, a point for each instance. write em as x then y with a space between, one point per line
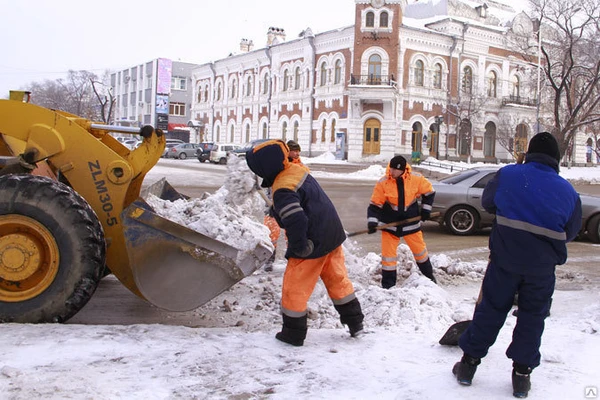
307 251
425 215
372 227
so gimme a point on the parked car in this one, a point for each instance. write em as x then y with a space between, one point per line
131 144
182 151
458 199
171 143
241 152
203 151
220 152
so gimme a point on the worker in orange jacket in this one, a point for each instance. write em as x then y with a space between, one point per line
315 236
394 199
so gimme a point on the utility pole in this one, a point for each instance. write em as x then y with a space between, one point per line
539 69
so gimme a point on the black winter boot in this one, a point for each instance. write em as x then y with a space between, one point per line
427 270
388 279
521 382
351 315
464 370
293 331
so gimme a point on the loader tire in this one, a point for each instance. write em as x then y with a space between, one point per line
52 250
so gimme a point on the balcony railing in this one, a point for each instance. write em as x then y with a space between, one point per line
524 101
375 80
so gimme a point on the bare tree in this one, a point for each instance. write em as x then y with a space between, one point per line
105 98
571 66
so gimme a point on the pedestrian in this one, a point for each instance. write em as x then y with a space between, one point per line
294 155
315 236
537 213
395 198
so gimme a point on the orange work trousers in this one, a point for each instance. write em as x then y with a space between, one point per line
389 249
301 276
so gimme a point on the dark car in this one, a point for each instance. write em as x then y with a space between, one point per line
458 199
203 151
250 145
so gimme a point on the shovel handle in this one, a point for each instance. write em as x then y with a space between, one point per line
391 224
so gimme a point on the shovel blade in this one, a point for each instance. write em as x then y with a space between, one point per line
453 333
177 268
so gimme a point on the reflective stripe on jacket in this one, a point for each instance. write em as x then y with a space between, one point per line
384 205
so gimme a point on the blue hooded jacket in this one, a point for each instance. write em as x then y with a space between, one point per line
537 213
300 205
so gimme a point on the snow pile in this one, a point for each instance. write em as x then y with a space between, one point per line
230 215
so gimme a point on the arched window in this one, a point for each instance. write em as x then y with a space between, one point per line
338 72
264 130
516 87
219 91
370 20
467 81
249 86
323 73
247 133
297 78
332 139
284 131
492 84
419 69
218 134
233 89
231 133
383 20
464 138
206 94
285 80
374 69
323 130
296 128
199 98
266 84
437 76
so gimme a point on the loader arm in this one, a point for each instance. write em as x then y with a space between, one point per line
104 172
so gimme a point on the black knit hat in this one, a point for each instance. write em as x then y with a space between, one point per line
544 143
398 162
293 145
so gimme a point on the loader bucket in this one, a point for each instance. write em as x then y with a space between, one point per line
177 268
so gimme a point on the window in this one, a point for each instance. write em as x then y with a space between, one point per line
264 130
177 109
370 20
437 76
219 91
284 131
218 134
338 72
178 83
332 139
374 69
247 133
323 73
285 80
296 127
266 84
323 130
491 86
419 73
233 89
206 94
516 86
249 86
383 20
199 97
467 83
231 132
297 78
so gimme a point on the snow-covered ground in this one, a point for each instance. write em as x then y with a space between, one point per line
239 358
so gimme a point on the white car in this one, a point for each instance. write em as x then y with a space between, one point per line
220 152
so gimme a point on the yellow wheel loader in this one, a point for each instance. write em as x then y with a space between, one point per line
70 207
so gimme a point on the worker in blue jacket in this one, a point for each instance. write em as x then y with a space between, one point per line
537 214
315 236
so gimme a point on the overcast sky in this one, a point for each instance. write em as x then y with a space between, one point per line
44 39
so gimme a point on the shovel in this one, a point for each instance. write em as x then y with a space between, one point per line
392 224
453 333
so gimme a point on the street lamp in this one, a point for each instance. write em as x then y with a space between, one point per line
539 69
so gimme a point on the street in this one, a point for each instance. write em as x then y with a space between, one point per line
114 304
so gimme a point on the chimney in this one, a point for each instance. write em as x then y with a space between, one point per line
275 36
246 45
